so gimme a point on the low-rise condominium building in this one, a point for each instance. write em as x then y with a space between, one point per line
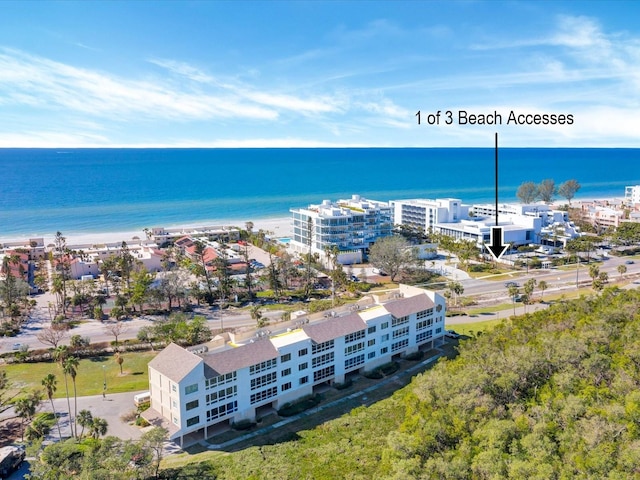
202 390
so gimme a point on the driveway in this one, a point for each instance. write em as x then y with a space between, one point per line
110 408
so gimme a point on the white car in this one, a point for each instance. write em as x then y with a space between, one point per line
451 334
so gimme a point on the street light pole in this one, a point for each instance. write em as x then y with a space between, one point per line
104 385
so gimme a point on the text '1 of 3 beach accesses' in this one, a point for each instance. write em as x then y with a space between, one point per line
464 117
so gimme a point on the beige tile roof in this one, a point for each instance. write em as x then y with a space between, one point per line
334 328
157 420
240 357
406 306
175 362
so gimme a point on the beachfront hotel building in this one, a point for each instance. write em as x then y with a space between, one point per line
521 224
425 214
200 391
351 225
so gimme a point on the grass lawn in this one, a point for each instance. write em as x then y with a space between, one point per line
469 328
492 309
90 376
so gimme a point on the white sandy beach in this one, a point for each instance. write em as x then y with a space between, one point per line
279 227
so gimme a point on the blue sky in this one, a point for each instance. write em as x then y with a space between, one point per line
316 74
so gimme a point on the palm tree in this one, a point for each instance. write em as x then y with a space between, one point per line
70 367
99 427
50 385
622 269
85 419
119 360
25 408
60 355
256 314
542 285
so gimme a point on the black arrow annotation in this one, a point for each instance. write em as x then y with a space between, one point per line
497 246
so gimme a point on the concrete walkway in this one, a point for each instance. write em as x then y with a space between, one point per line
313 411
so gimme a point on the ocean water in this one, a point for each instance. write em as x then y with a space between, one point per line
108 190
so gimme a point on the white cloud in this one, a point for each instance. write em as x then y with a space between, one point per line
184 69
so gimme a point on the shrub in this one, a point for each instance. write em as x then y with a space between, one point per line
243 425
373 374
414 356
305 403
344 385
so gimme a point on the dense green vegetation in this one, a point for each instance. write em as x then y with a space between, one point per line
547 395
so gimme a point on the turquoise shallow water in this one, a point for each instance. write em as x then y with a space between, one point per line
97 190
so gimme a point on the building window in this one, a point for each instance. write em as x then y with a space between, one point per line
267 379
400 345
285 386
222 394
438 330
401 332
351 349
352 337
191 405
384 350
285 372
324 373
174 388
371 342
193 421
303 352
371 355
322 360
371 330
263 395
421 337
175 403
303 366
421 325
384 325
176 421
321 347
285 358
353 361
399 321
191 389
263 366
304 380
424 313
222 410
384 338
220 380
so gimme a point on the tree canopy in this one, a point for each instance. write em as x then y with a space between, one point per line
527 192
552 394
391 254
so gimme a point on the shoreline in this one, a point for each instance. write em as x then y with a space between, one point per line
279 226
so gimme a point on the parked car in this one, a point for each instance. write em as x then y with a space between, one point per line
511 284
354 278
16 346
629 262
451 334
